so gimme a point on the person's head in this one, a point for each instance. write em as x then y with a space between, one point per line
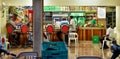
107 26
15 16
91 17
63 18
69 18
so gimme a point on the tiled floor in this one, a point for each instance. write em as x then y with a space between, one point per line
83 48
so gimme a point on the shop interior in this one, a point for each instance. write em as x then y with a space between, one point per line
22 40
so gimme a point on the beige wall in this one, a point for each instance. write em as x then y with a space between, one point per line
18 2
82 2
3 21
2 18
65 2
118 24
0 14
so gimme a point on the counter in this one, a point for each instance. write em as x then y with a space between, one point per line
84 33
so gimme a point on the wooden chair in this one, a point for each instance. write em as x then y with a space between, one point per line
24 35
50 30
11 35
65 31
65 28
27 55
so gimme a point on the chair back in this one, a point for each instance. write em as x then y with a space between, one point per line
65 28
24 29
3 40
73 35
10 28
27 55
49 28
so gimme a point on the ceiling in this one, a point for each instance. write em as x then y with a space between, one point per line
65 2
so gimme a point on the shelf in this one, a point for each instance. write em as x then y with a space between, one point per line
91 12
89 15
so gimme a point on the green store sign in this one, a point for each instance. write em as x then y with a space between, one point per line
52 8
77 14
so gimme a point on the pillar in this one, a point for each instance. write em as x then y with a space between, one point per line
0 14
37 25
118 24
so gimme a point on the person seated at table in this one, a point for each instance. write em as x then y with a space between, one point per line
13 22
59 33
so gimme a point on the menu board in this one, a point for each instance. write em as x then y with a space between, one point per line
101 12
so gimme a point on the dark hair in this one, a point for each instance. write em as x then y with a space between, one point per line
15 15
107 26
64 18
71 17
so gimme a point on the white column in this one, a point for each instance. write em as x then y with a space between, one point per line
118 24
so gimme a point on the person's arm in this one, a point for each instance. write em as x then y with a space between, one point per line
108 39
13 24
107 31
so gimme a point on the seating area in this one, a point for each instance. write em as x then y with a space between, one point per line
19 36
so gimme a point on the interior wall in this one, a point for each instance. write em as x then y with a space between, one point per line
18 2
0 14
82 2
65 2
3 20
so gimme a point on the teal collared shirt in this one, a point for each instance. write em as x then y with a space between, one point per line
93 21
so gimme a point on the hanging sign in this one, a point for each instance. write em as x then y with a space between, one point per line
101 12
